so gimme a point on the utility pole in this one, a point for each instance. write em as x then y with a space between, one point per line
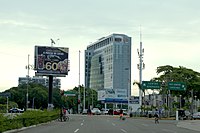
84 98
79 93
27 84
141 66
192 104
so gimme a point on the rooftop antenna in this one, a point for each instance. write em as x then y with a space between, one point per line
52 42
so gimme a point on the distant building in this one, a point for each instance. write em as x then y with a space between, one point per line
40 80
108 66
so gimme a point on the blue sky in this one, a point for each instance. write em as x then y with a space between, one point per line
170 33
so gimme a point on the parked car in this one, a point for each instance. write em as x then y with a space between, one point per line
196 115
104 111
85 111
16 110
184 114
116 112
96 111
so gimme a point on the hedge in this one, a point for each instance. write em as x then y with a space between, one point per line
28 118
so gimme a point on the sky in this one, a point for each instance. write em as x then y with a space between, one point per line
170 33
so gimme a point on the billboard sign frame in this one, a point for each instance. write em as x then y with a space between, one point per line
51 61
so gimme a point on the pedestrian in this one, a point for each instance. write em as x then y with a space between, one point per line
89 111
156 118
61 114
121 115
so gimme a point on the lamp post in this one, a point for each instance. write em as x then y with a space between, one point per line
27 83
79 93
33 103
180 101
84 97
128 98
128 88
195 98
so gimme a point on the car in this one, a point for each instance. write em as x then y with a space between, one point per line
16 110
96 111
85 111
184 114
196 115
104 111
116 112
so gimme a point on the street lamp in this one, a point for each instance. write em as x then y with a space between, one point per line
180 101
28 67
33 103
195 98
79 93
128 89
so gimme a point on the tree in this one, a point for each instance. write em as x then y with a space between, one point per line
179 74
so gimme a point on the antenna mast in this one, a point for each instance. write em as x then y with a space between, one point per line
141 66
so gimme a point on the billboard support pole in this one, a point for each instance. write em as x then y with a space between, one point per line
50 104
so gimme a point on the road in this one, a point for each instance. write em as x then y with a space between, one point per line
108 124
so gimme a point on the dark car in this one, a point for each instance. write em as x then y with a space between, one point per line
16 110
116 112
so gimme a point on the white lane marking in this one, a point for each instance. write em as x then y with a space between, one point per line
113 124
167 130
76 131
81 124
123 130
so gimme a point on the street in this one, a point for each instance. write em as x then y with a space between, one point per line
108 124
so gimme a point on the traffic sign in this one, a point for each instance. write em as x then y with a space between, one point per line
69 93
178 86
150 85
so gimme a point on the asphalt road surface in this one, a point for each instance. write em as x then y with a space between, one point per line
108 124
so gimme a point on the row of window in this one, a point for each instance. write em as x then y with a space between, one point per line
100 44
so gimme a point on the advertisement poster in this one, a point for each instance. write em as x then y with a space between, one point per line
51 61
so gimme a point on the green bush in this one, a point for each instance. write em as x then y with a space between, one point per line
26 119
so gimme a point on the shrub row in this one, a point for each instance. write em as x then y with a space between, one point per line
28 118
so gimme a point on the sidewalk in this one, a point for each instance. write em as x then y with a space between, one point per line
189 124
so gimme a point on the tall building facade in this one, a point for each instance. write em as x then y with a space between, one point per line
108 66
40 80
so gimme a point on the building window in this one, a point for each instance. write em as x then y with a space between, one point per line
118 39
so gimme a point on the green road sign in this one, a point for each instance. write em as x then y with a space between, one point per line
150 85
69 93
178 86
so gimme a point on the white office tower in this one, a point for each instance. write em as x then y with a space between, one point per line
108 68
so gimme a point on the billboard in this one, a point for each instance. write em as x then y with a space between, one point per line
51 61
113 95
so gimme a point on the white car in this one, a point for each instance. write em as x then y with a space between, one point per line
96 111
196 115
105 111
85 111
